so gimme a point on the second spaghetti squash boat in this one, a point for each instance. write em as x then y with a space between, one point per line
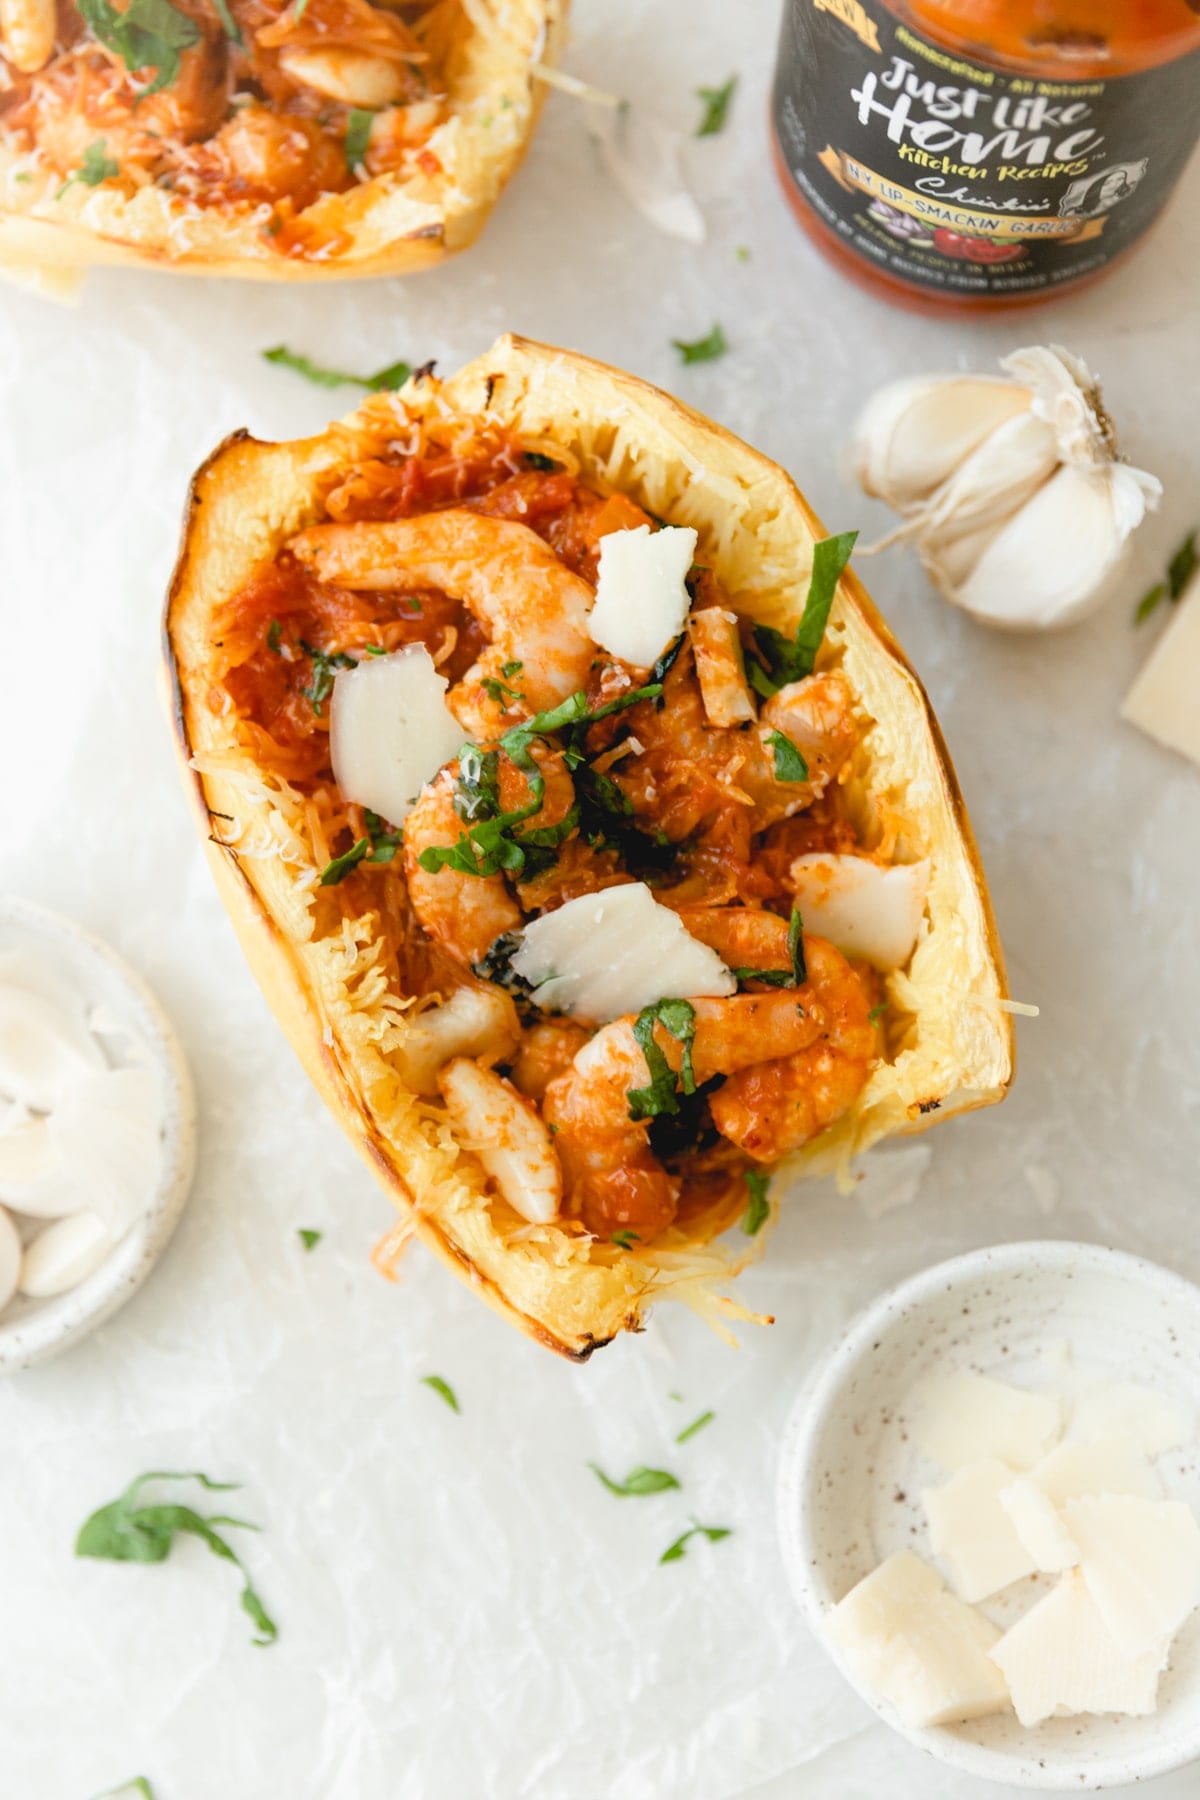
585 826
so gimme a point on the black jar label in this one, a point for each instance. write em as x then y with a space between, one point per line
964 179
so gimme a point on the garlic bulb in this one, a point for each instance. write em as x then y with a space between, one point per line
1009 487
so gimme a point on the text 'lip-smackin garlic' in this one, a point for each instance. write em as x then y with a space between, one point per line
1010 488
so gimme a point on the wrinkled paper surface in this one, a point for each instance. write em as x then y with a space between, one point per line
463 1609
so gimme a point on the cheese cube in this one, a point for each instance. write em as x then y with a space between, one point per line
918 1646
1162 700
971 1529
960 1418
1148 1420
1105 1466
1061 1658
1141 1562
1035 1519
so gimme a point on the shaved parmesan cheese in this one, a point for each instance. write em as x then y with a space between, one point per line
960 1417
1150 1421
641 596
508 1135
1107 1466
1035 1520
390 730
861 907
1162 701
613 952
1062 1659
918 1646
1141 1562
970 1528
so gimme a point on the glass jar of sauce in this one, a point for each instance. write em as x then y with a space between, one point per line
957 154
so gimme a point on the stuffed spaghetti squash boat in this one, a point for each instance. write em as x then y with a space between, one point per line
584 824
284 139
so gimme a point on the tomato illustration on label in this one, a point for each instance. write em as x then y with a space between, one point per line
976 249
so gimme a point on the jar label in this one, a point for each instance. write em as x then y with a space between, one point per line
965 179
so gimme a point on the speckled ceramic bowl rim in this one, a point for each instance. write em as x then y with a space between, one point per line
65 1320
821 1395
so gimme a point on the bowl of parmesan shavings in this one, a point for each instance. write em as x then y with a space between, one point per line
989 1508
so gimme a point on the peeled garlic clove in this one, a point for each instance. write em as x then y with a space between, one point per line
1061 555
43 1049
912 435
864 908
108 1133
10 1259
25 1155
63 1255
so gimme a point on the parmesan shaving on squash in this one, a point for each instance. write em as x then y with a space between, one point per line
390 730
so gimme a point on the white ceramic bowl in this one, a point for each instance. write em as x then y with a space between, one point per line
32 1330
850 1477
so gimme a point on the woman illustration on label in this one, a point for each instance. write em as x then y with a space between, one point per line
1097 194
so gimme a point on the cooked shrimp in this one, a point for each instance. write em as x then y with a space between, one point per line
816 716
531 605
822 1042
744 937
614 1181
547 1051
775 1106
27 31
464 913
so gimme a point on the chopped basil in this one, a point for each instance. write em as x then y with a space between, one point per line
789 764
308 1237
876 1013
324 663
787 659
494 844
149 34
477 788
776 978
137 1784
689 1431
274 637
358 136
384 380
536 460
758 1211
123 1531
229 24
796 947
714 1533
499 691
97 166
665 663
1179 572
340 867
625 1240
384 843
716 107
679 1018
443 1389
705 349
637 1483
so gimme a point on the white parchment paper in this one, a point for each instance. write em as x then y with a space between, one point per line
463 1610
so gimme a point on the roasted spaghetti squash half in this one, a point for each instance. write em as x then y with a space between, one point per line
290 140
585 826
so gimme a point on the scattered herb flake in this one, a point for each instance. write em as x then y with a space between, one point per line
678 1550
796 947
876 1013
340 867
509 669
137 1784
499 691
123 1531
384 843
324 663
678 1017
97 166
787 659
1179 572
443 1390
358 136
149 34
536 460
625 1240
705 349
637 1483
308 1237
689 1431
275 637
716 107
758 1211
394 376
789 764
742 253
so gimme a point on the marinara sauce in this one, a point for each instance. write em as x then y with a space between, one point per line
982 153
